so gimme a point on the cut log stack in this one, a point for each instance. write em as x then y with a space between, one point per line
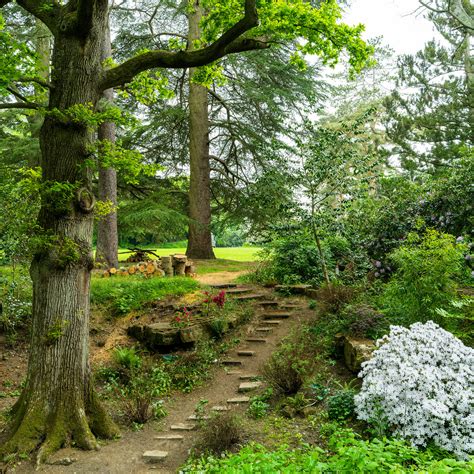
174 265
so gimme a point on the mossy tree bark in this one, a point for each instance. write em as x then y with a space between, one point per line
199 236
58 404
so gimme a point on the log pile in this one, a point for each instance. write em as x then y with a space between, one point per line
174 265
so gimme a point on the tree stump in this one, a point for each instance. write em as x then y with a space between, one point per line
167 266
179 264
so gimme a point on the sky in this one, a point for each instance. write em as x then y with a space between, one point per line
405 30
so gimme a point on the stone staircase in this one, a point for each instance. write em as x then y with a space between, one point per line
271 314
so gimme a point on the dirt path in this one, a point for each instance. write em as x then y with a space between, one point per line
219 277
125 456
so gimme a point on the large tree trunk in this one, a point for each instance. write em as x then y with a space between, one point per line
199 238
58 405
107 233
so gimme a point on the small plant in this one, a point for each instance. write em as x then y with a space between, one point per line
421 381
332 298
127 358
219 434
294 406
313 304
257 409
319 392
341 405
218 327
287 368
182 319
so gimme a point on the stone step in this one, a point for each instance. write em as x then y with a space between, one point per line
238 400
182 427
169 437
246 353
249 386
248 377
238 291
291 306
248 297
268 303
276 315
219 408
221 286
293 289
264 329
232 362
271 322
256 339
234 372
155 456
195 417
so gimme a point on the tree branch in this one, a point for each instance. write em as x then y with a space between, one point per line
228 43
20 105
45 10
36 80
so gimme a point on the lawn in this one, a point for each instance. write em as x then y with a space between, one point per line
239 254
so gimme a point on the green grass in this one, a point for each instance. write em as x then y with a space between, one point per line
239 254
124 294
221 265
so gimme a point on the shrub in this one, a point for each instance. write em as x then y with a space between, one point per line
127 357
351 455
219 434
341 405
366 321
425 279
332 298
140 396
421 383
287 368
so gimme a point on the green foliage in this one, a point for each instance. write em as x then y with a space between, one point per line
341 405
127 357
257 409
428 268
219 434
348 454
16 300
132 293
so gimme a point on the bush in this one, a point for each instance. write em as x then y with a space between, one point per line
420 383
351 455
332 298
219 434
341 405
365 321
140 396
287 368
425 279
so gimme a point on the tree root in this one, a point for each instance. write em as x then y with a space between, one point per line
32 430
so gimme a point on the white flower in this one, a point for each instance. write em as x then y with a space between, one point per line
421 379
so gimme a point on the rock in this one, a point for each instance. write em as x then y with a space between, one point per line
276 315
195 417
357 351
256 339
154 456
249 386
156 336
293 289
231 362
247 297
239 400
66 461
246 353
219 408
182 427
265 330
271 322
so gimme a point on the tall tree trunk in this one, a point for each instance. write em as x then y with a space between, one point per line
199 238
107 233
58 404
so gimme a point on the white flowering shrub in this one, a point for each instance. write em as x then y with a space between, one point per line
420 382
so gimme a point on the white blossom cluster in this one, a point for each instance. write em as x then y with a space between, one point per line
421 382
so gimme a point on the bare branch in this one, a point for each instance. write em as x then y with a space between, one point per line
36 80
